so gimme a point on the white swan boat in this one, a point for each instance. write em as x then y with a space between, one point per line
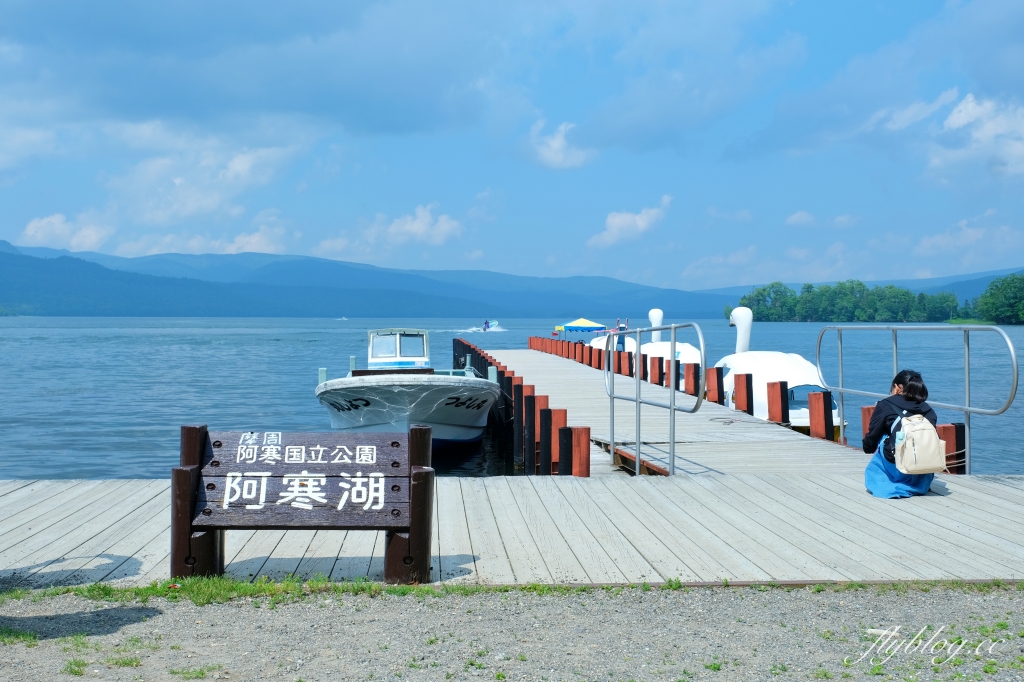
400 388
767 366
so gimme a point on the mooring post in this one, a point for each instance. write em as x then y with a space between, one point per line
819 405
691 378
716 392
559 419
581 451
778 402
545 442
865 419
743 392
407 554
565 451
529 434
517 426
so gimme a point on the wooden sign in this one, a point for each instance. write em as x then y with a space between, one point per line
274 480
278 480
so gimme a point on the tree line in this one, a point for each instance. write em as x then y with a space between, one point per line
853 301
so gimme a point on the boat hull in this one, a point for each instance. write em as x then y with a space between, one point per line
456 408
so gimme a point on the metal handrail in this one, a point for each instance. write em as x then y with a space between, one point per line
966 408
609 387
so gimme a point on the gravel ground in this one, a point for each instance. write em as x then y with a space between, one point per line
700 634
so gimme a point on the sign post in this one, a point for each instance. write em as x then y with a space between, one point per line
271 480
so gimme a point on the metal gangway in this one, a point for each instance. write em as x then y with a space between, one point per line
609 385
966 408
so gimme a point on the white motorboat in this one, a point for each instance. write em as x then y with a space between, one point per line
400 388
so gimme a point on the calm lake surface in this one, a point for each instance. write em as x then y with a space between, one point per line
104 397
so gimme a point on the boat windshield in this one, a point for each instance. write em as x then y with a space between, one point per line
384 346
411 346
798 396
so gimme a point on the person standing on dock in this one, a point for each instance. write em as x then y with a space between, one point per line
907 397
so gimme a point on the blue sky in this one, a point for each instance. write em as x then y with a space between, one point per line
686 144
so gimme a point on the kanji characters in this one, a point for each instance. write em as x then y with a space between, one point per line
272 438
246 453
360 493
366 454
271 454
316 455
341 455
250 438
303 489
294 454
236 487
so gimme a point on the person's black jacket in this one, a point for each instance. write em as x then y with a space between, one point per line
886 411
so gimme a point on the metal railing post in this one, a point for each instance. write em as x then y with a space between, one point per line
967 401
672 382
842 404
895 355
638 372
611 394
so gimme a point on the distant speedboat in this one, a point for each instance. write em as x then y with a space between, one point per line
400 388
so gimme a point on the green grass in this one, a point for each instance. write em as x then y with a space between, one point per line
194 673
77 643
125 662
76 667
10 636
203 591
822 674
778 668
716 666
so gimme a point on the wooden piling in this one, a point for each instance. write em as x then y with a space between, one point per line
565 451
559 419
865 419
657 372
581 451
820 407
778 402
691 378
743 393
529 433
544 465
517 425
715 390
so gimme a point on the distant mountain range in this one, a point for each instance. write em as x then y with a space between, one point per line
40 281
43 281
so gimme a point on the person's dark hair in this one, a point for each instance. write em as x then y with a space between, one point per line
912 384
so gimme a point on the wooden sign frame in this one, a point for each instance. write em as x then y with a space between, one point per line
284 481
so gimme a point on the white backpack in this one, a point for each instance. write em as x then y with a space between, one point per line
918 448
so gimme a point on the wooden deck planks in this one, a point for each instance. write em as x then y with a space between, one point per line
613 529
321 554
456 558
354 558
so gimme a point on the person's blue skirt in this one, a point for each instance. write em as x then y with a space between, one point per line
883 479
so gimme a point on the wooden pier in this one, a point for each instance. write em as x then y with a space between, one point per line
753 503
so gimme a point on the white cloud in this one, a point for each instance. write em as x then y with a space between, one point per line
475 255
423 227
898 119
800 218
624 225
56 231
846 220
988 129
199 177
266 237
554 150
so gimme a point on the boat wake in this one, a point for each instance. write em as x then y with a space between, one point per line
481 330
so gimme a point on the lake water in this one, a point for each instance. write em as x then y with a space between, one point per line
104 397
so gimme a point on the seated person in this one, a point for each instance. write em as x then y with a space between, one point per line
882 479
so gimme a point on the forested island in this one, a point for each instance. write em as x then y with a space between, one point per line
852 301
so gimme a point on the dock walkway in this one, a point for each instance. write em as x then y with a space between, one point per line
755 503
